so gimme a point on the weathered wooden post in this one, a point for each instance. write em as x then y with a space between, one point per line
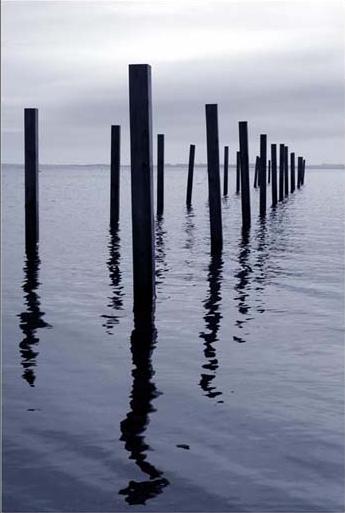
31 179
269 171
281 171
160 174
226 169
140 107
303 170
213 177
238 172
262 171
190 175
274 174
286 170
245 189
292 171
256 172
115 176
299 171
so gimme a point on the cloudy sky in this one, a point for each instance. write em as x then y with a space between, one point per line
277 64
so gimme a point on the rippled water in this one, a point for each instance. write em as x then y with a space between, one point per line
231 401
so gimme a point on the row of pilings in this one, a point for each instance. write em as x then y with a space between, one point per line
140 111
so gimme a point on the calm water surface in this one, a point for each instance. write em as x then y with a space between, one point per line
231 401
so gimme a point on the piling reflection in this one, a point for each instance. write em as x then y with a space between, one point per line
261 261
32 318
189 228
133 427
161 265
115 300
212 319
243 285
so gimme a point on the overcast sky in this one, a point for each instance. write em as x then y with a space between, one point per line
277 64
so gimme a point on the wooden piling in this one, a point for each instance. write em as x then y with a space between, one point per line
303 170
214 193
292 172
281 171
226 169
269 172
256 172
299 172
238 172
245 189
31 179
115 176
262 171
286 170
160 174
274 174
140 106
190 175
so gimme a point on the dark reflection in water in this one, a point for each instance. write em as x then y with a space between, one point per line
212 319
261 260
161 265
189 228
115 300
243 286
32 319
133 427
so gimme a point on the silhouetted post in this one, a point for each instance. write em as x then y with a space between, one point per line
256 172
269 171
115 176
245 196
274 174
292 171
160 174
140 107
262 170
238 172
190 175
213 177
303 170
286 170
31 178
281 171
226 168
299 171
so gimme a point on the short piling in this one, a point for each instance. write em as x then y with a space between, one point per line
303 170
115 176
226 170
286 170
238 172
256 172
245 189
262 170
269 172
281 171
274 174
31 179
190 175
160 174
214 193
140 107
292 172
299 172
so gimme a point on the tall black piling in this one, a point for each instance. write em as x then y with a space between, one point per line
281 171
274 174
214 193
299 171
269 172
31 179
160 174
190 175
292 171
226 170
245 189
140 108
238 172
115 177
286 170
262 170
